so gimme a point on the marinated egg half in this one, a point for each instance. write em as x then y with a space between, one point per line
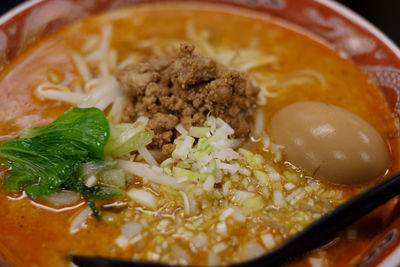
330 142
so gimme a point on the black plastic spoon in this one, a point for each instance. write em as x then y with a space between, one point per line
315 235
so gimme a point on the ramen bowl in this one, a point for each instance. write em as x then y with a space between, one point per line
335 26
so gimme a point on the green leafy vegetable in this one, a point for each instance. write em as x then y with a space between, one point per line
127 137
93 207
45 159
82 129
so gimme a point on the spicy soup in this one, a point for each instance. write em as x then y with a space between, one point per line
289 64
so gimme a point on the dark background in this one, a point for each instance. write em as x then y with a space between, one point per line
385 14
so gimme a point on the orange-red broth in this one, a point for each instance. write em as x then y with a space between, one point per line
34 234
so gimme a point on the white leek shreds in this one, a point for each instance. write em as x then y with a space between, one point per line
209 183
254 161
268 241
218 248
226 187
238 215
240 196
185 203
181 129
224 129
291 176
296 195
183 147
79 221
143 197
199 132
131 229
289 186
233 212
225 154
62 198
262 177
157 169
278 199
193 204
122 242
190 175
167 162
163 224
253 250
147 156
226 213
200 241
274 176
91 180
144 170
231 168
253 204
314 184
221 228
276 150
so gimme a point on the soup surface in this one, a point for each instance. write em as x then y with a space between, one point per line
289 64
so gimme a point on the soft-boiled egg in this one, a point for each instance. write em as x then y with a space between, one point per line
330 142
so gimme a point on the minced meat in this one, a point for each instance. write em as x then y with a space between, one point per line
184 88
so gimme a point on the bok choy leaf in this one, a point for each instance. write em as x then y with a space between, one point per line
45 159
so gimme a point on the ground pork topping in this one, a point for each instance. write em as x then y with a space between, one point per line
184 87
